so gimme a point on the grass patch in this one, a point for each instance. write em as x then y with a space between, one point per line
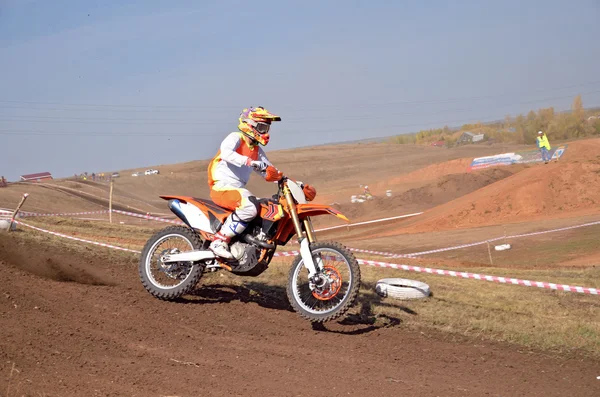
553 321
537 252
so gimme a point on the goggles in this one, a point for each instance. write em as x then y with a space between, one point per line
262 128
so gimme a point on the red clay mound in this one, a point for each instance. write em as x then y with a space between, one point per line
566 188
434 171
450 187
445 189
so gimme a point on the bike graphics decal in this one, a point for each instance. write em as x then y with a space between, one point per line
271 212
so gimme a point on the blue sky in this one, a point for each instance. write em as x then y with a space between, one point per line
101 85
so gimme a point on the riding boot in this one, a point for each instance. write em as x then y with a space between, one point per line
232 227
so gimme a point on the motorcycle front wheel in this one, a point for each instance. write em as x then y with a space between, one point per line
335 288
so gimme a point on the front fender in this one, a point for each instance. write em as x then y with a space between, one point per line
318 209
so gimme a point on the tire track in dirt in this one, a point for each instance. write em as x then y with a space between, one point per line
63 266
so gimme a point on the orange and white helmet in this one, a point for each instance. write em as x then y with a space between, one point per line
255 122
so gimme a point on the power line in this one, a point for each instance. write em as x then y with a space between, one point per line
142 121
85 134
69 120
101 110
284 132
194 108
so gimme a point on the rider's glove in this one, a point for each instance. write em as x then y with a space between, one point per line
309 192
272 174
259 166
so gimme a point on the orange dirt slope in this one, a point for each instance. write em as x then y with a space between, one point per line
566 188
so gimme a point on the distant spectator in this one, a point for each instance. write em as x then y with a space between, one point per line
3 182
544 145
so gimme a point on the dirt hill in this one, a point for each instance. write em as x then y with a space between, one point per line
570 187
335 170
441 190
420 177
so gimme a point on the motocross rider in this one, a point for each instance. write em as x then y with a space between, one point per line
229 172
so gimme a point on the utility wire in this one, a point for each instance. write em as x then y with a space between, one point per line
179 108
281 133
142 121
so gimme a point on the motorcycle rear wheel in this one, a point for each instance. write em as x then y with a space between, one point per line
183 276
339 288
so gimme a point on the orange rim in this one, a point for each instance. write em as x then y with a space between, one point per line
334 286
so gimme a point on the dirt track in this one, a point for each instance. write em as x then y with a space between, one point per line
84 326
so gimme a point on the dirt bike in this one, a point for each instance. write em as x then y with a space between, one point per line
324 278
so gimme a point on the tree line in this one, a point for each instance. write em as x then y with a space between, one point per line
576 123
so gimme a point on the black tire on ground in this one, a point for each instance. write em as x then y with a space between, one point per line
351 293
186 285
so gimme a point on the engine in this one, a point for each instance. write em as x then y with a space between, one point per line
246 255
247 249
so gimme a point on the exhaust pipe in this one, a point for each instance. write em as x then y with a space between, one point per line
175 207
250 239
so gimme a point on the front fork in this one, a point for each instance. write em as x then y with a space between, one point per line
305 226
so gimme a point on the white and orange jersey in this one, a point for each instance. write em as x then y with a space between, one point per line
230 167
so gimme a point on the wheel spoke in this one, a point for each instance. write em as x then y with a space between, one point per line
333 285
168 274
170 280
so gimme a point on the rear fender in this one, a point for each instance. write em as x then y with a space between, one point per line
193 214
184 199
204 205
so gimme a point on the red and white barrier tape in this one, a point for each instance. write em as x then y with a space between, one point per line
483 277
389 254
474 276
287 253
76 238
412 255
23 214
504 280
153 218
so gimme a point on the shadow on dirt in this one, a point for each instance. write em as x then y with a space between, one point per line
267 296
362 319
359 320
